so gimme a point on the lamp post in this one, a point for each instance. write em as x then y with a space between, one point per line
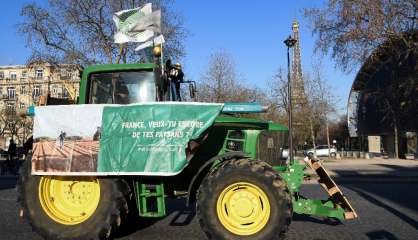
290 42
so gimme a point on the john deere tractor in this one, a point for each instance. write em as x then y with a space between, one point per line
231 168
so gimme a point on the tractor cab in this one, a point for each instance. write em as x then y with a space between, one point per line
134 83
122 87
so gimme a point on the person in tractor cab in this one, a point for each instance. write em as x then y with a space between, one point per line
176 77
122 93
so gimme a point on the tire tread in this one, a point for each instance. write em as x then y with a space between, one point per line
116 214
257 167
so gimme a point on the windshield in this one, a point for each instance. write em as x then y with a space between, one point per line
122 87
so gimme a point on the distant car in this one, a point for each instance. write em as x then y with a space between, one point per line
322 151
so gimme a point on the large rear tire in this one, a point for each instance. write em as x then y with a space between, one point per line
72 207
244 199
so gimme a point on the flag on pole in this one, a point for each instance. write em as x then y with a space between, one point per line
137 25
150 21
131 37
156 41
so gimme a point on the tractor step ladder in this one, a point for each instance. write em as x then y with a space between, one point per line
150 199
335 193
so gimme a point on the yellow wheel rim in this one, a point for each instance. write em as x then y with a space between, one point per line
243 208
69 200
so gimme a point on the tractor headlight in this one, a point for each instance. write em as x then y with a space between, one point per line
234 145
235 140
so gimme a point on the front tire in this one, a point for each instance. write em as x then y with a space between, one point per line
72 207
244 199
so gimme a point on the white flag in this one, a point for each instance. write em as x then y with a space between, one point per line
137 25
125 20
150 21
138 37
156 41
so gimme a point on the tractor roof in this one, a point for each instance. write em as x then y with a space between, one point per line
117 67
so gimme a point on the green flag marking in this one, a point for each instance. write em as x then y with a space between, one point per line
128 20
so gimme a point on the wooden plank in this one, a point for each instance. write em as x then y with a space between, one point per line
315 165
350 215
332 189
349 207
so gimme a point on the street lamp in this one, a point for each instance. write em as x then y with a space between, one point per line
290 42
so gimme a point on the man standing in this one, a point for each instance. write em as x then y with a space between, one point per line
11 152
176 77
61 139
97 134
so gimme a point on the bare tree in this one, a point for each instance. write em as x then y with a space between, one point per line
322 103
314 116
278 92
221 82
382 35
352 29
81 31
13 125
338 130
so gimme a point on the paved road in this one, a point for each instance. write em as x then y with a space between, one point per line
388 210
372 167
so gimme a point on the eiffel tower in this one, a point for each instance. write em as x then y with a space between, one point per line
299 100
298 90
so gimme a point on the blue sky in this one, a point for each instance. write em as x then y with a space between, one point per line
252 32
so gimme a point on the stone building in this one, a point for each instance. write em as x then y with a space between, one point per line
22 86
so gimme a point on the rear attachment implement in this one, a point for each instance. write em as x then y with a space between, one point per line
336 206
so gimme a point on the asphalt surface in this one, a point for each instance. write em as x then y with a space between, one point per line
388 209
375 168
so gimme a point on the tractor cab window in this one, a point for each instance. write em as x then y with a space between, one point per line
122 87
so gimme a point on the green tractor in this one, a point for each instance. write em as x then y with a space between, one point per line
234 172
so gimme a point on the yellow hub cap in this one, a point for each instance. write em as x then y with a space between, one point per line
243 208
69 200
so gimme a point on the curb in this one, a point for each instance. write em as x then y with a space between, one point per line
9 177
